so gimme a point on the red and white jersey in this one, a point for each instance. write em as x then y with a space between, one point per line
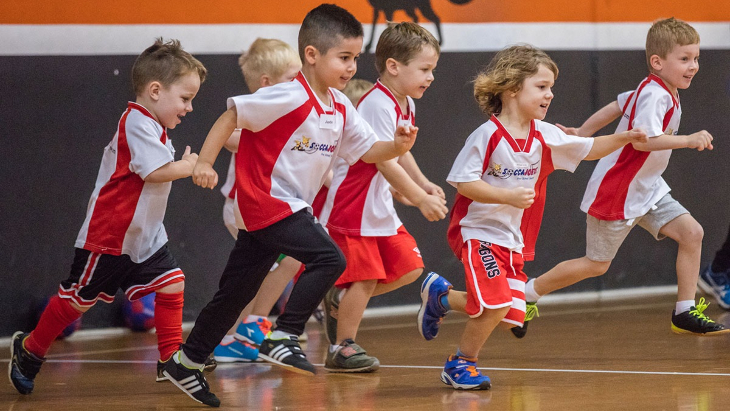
289 141
125 213
359 202
627 183
493 156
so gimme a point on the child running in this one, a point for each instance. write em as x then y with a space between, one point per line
359 214
500 176
122 243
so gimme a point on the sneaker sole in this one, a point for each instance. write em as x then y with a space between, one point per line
424 301
446 379
172 380
370 368
10 362
709 289
678 330
231 360
285 366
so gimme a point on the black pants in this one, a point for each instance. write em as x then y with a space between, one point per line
722 257
297 236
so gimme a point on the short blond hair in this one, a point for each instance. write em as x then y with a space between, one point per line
506 72
401 42
356 88
266 56
665 34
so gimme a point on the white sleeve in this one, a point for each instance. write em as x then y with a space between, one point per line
652 105
380 118
624 97
469 164
357 135
147 152
256 111
566 152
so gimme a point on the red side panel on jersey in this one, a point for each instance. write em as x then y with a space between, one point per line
255 161
532 217
117 201
349 202
319 200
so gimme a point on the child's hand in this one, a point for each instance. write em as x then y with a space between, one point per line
700 140
432 188
405 137
521 197
204 175
191 158
571 131
433 207
636 135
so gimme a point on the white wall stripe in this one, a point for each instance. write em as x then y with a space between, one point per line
28 40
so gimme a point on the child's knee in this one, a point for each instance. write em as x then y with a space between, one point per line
412 276
693 235
597 268
173 288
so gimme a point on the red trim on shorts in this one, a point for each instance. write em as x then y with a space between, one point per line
171 277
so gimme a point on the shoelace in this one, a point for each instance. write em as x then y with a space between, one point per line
531 311
698 311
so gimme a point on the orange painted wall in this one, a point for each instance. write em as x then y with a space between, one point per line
292 11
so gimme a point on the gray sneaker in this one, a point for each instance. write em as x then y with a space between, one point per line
350 357
331 308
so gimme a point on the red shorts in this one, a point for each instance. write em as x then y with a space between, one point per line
385 259
494 279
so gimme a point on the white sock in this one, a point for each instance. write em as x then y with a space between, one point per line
279 335
334 348
252 318
530 295
227 339
187 362
683 306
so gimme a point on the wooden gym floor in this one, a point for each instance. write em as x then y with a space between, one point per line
606 356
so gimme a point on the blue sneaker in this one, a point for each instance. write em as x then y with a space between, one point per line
717 285
461 373
432 311
23 365
235 351
253 332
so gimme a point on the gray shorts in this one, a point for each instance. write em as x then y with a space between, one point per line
603 238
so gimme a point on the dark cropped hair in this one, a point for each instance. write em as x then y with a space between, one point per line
325 26
165 62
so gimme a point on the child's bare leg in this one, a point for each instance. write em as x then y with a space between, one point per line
568 273
688 234
412 276
478 330
457 300
352 307
274 284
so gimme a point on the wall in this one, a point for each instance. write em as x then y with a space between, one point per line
59 109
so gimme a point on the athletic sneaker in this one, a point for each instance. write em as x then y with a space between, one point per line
530 313
210 365
235 351
432 312
23 365
350 357
695 322
190 380
717 285
253 332
462 374
331 308
286 353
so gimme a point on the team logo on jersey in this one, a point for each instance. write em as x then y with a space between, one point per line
490 263
310 147
521 171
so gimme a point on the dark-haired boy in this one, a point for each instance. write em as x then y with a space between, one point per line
291 134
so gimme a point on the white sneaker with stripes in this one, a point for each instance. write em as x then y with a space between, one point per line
190 381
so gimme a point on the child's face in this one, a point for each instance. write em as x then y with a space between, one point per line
176 100
536 94
679 67
415 77
336 67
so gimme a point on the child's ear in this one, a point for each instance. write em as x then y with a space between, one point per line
265 81
153 89
311 54
655 62
391 66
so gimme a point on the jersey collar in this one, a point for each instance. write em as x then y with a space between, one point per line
319 106
380 86
511 140
658 80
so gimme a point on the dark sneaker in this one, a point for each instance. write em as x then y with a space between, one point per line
530 313
462 374
717 285
350 357
209 366
24 365
432 312
286 353
190 381
331 308
695 322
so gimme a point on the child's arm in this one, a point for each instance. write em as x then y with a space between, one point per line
699 141
408 162
203 173
432 206
597 121
232 142
605 145
381 151
483 192
175 169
